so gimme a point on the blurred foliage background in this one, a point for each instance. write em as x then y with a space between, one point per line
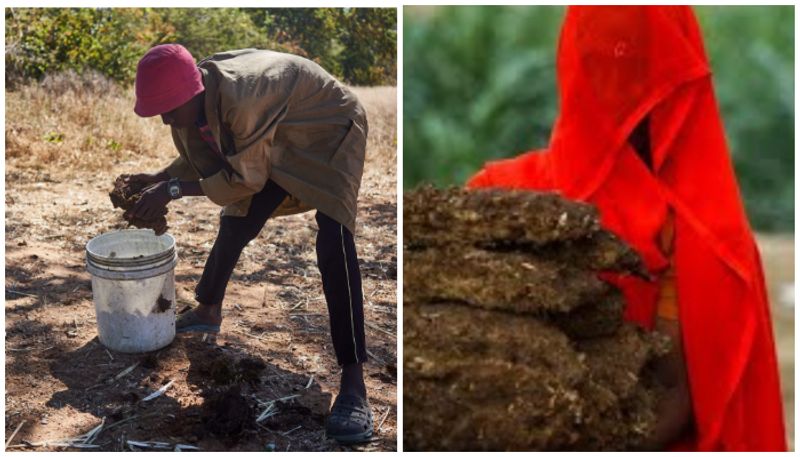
479 84
358 45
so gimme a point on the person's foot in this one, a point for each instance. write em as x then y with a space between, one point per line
203 318
350 421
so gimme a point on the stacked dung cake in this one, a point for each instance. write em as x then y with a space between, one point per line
511 341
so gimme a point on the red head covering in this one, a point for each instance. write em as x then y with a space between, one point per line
166 78
617 65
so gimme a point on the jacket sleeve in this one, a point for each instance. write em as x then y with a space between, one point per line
253 131
180 168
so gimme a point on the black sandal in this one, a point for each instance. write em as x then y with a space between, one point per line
189 322
350 421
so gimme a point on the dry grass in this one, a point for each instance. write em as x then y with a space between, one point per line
382 114
69 125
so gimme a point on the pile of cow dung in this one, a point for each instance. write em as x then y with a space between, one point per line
227 413
125 195
511 342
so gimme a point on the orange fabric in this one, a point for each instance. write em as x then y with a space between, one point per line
667 307
617 65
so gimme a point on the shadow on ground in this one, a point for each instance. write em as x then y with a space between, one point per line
215 395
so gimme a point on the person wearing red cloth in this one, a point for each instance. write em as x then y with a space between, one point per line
639 135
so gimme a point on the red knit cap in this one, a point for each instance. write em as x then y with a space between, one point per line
166 78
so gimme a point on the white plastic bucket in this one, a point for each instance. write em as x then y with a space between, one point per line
133 286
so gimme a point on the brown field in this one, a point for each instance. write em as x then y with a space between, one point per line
66 141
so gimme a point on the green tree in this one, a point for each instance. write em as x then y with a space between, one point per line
42 40
357 45
206 31
370 46
314 31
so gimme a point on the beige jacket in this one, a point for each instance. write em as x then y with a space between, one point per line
281 117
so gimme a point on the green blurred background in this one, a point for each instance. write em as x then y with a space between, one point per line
358 45
479 84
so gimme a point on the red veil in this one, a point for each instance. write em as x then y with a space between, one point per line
617 65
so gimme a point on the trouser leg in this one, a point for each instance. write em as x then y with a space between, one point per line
234 234
341 282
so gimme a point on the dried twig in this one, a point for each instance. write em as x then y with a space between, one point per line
9 291
375 327
81 441
150 444
385 415
125 371
159 392
251 335
270 409
29 349
279 400
286 433
297 305
92 434
75 445
14 433
120 375
268 412
377 359
124 421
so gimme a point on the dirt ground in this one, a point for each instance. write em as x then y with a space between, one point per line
274 343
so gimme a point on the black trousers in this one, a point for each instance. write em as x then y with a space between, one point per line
336 259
